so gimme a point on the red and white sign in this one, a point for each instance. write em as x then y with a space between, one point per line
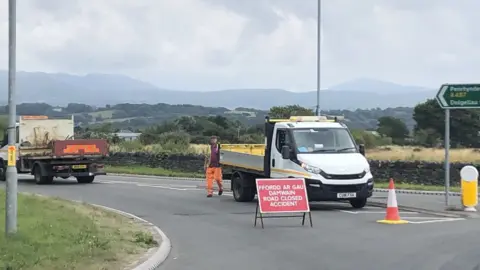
285 195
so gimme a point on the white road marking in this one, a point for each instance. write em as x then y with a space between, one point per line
171 187
349 212
371 212
432 218
164 187
438 220
117 182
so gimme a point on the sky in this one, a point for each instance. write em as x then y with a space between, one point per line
232 44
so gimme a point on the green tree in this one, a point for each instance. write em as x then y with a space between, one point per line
427 137
389 126
464 123
290 110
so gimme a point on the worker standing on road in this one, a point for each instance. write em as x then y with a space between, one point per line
212 167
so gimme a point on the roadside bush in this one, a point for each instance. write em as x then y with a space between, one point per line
127 146
369 139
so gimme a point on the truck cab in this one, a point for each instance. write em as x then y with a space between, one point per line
320 150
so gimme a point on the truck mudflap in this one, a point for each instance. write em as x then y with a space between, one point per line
83 147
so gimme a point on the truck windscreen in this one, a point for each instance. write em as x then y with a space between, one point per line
315 140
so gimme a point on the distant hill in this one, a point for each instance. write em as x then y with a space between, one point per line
102 89
137 116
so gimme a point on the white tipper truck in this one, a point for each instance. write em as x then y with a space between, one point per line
318 149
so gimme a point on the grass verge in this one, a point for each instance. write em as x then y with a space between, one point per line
58 234
416 187
142 170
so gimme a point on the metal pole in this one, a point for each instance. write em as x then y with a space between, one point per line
319 38
447 155
11 172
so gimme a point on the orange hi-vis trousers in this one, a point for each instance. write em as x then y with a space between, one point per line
214 173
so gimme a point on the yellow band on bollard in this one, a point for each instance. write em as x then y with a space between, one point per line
469 193
469 186
11 161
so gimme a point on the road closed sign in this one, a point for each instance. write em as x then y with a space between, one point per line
288 195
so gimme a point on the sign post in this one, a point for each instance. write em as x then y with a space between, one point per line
285 195
455 96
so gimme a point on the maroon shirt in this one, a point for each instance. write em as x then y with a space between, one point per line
214 156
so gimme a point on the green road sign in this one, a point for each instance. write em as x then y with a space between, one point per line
459 96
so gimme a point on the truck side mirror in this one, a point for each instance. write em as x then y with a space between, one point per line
361 149
285 152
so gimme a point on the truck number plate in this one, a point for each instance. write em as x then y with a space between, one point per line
346 195
79 166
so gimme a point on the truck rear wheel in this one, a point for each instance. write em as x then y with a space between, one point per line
241 191
41 179
3 176
85 179
3 171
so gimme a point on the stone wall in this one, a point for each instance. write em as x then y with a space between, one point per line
183 163
414 172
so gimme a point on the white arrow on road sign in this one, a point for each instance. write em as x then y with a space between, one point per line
440 95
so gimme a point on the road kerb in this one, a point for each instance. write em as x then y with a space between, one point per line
158 257
418 192
444 213
162 251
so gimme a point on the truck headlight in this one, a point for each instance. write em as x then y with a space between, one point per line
311 169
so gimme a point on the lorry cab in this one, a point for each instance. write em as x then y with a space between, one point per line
320 150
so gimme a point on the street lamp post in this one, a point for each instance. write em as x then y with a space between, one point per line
11 172
319 32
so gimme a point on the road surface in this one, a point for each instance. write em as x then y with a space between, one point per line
217 233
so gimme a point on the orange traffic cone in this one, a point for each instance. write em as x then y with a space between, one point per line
392 216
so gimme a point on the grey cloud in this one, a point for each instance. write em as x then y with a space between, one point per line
407 46
85 60
60 9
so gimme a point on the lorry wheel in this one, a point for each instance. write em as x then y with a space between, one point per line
358 203
39 179
240 192
85 179
3 176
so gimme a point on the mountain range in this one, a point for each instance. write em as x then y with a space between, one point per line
101 89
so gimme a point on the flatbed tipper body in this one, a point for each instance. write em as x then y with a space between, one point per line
322 152
47 148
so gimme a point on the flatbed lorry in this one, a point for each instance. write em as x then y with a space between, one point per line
46 148
318 149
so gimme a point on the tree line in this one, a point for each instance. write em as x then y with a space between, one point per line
142 116
195 124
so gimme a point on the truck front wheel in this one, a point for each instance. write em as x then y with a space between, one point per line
85 179
358 203
241 191
39 178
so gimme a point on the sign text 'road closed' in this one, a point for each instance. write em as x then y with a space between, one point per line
282 195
